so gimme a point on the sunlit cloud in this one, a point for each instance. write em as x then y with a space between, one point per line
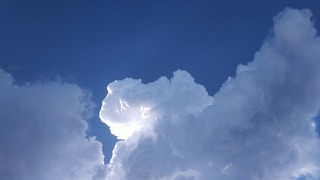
259 125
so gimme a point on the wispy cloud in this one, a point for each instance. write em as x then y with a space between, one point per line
258 126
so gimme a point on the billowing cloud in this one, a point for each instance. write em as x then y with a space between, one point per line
259 126
43 132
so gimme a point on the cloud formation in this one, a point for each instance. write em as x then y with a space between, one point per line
43 132
259 126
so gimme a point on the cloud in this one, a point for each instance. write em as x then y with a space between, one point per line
43 132
259 125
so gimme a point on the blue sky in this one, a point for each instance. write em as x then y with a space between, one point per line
94 43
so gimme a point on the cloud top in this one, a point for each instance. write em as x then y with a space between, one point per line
260 125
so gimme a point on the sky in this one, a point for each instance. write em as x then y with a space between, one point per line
130 90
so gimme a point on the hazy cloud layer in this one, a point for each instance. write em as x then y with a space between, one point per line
259 126
43 132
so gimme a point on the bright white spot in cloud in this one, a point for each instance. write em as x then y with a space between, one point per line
43 133
257 127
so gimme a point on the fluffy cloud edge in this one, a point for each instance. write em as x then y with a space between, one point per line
258 126
43 132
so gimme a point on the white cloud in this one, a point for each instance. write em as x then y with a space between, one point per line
258 126
43 132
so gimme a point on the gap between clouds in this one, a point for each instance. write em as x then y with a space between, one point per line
260 125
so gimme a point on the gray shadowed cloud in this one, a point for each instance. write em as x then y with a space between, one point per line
259 126
43 132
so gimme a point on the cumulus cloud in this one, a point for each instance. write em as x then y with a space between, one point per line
43 132
258 126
